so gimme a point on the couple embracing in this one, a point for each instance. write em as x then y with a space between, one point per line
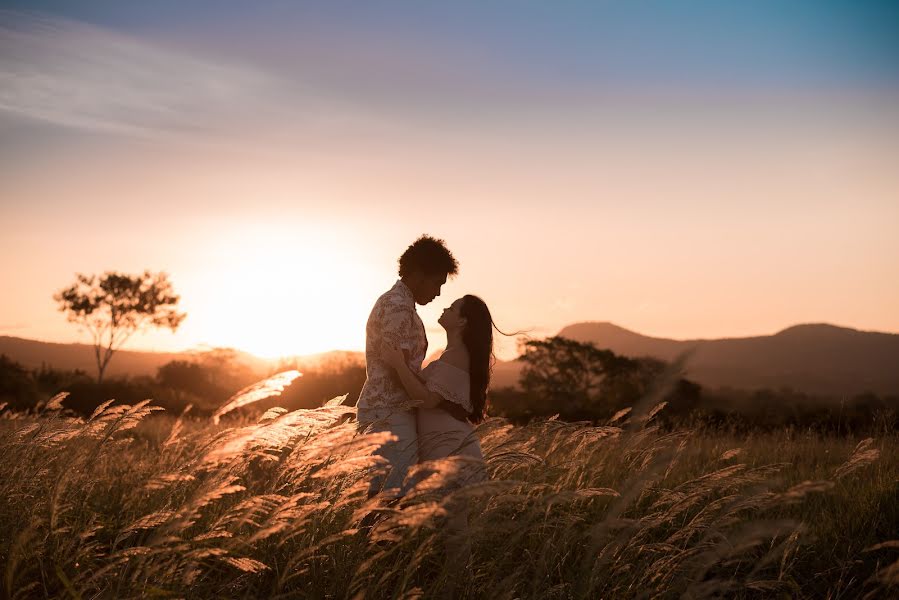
430 411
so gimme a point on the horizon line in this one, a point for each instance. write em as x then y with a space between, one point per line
195 348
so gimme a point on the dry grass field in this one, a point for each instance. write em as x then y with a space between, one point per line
132 502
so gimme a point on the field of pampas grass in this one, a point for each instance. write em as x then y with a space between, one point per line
132 502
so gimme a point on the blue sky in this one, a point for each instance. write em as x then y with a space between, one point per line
583 44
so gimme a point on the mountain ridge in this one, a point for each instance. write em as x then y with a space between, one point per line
816 358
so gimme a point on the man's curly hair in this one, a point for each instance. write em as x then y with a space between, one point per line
430 256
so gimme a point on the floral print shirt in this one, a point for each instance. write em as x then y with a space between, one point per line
393 321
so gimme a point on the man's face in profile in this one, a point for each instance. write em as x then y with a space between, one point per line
428 287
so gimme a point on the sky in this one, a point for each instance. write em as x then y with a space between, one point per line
690 170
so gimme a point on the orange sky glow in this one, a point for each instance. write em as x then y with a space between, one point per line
685 213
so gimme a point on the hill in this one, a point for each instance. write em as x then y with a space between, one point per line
34 353
813 358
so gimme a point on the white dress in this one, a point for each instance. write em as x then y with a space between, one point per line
441 435
458 460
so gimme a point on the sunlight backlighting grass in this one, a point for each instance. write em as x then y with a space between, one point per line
127 504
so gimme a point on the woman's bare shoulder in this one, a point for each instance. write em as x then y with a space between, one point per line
458 360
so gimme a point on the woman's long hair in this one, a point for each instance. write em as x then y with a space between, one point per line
478 338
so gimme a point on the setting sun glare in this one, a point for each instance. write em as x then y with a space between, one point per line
276 294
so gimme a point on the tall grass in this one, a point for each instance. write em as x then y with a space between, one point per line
127 504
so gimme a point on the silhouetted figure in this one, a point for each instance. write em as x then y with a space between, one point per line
457 380
384 404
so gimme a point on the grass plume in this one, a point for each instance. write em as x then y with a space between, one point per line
131 503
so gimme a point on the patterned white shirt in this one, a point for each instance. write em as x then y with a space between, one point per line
394 321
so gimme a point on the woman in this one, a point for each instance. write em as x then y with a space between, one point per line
460 376
451 394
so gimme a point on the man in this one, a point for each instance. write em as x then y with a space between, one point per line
383 403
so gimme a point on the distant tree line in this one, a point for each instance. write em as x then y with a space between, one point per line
579 382
205 382
573 380
786 408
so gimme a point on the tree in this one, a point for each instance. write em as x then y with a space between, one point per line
580 381
189 377
116 306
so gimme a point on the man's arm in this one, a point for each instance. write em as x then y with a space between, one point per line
414 386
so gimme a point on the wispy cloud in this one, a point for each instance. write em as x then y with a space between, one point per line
82 76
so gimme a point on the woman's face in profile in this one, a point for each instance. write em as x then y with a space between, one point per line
452 316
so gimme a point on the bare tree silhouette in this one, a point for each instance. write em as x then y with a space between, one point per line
115 306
